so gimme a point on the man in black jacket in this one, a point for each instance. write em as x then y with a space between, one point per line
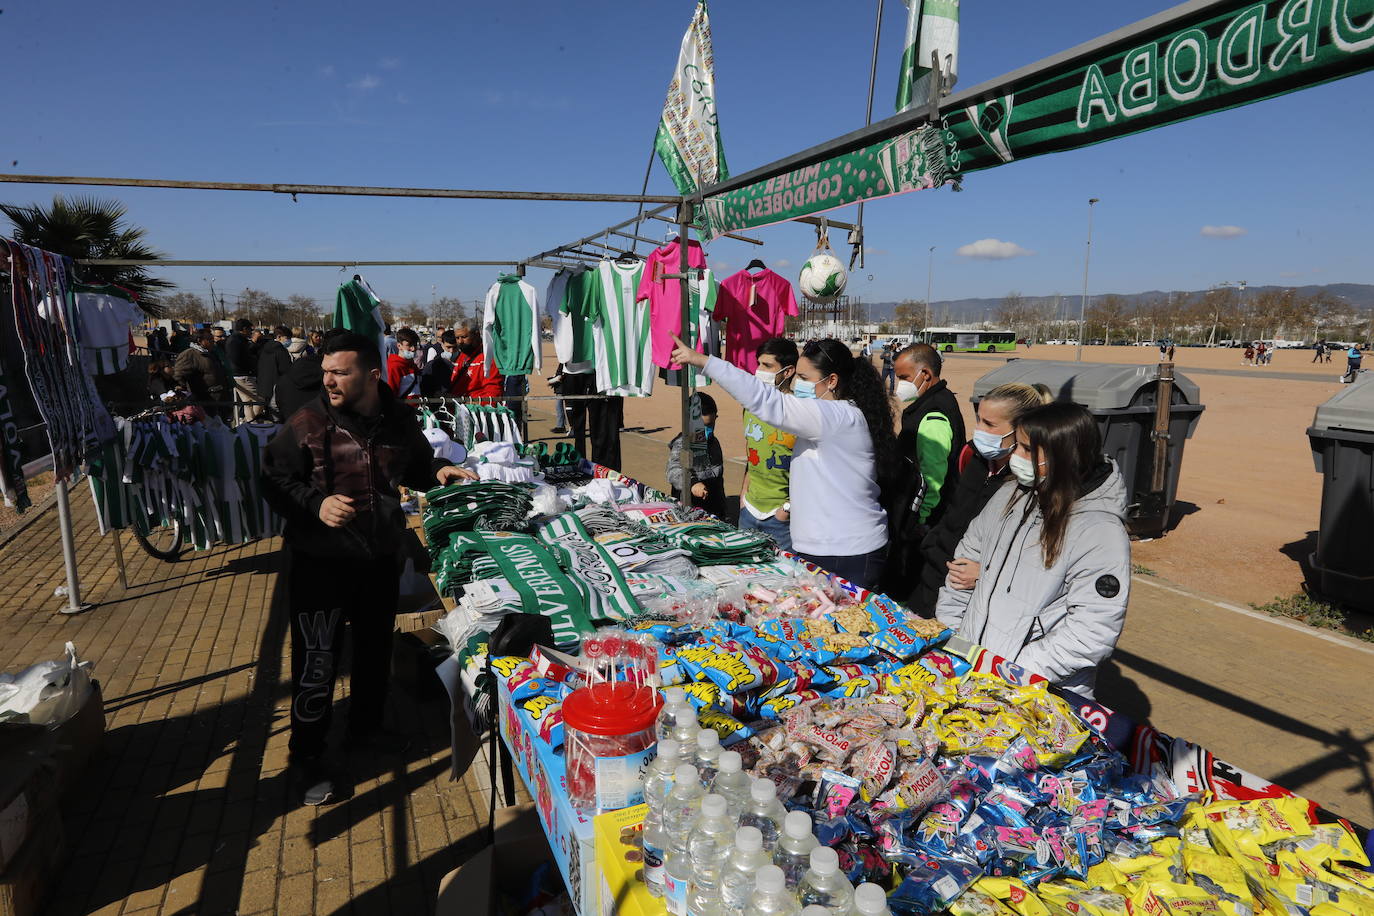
274 361
931 435
333 472
243 364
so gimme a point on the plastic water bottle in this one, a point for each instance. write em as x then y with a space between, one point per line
658 785
737 877
732 783
824 884
771 896
683 805
707 756
658 781
676 710
870 900
816 910
764 812
711 839
677 878
793 854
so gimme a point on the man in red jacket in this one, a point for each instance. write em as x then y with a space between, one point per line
402 372
474 373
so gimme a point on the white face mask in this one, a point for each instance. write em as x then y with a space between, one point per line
1023 469
907 391
768 378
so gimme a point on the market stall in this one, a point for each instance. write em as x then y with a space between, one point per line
948 777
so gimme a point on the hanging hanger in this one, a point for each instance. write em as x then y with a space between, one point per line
628 257
756 263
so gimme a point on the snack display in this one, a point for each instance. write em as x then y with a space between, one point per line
953 781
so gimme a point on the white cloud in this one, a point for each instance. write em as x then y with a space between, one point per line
1223 232
783 263
389 63
366 82
721 267
402 98
326 70
992 250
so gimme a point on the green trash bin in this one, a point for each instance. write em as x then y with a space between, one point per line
1125 401
1342 439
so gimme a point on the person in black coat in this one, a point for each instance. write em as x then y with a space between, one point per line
981 468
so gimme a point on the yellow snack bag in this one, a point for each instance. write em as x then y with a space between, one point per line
1362 878
1328 842
1083 900
1015 893
1165 898
976 903
1133 866
1107 876
1218 874
1260 821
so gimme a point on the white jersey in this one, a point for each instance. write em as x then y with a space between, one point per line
624 356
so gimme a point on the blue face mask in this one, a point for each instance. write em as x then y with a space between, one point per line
804 389
709 431
989 445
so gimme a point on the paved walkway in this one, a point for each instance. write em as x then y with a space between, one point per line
186 808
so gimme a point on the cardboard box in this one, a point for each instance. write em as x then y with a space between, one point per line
569 830
620 859
26 881
504 866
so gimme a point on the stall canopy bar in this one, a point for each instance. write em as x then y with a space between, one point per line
915 117
125 262
346 190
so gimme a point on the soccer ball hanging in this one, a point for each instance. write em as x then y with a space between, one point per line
823 277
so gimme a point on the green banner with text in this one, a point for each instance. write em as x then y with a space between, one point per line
1221 55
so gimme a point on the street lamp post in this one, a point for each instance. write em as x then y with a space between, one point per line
213 308
1087 255
930 279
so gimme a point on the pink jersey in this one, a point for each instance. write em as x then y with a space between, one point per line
665 302
753 307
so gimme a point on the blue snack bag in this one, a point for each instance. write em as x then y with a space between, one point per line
932 885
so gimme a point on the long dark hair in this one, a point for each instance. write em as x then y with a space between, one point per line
858 382
1064 436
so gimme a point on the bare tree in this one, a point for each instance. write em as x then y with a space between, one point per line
412 313
1014 312
448 312
186 307
910 316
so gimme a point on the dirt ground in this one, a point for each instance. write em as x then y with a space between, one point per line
1248 497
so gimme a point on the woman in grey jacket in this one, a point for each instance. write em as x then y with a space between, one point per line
1054 557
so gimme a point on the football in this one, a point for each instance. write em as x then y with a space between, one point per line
823 278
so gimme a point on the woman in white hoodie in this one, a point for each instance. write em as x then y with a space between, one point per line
842 419
1054 557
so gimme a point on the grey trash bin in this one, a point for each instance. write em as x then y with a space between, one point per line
1124 400
1342 440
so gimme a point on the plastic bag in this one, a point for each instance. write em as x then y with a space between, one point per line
48 693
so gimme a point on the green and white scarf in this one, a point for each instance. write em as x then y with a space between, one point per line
608 594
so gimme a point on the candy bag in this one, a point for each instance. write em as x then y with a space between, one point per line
1019 898
933 884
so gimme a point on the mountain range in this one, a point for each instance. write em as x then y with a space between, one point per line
963 311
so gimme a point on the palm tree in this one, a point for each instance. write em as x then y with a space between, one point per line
88 227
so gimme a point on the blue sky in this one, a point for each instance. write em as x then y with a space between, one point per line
566 96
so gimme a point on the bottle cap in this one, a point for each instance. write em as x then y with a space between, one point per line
763 790
686 773
816 909
870 900
707 738
668 750
748 839
797 825
714 806
674 696
730 762
769 879
824 860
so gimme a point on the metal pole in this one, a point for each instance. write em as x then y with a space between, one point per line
930 279
684 219
64 522
872 82
119 560
1083 305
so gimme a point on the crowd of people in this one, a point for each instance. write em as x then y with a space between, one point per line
250 372
1015 536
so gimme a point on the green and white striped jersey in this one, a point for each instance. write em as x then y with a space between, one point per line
624 358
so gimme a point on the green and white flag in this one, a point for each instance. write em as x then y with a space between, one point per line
932 27
688 139
357 308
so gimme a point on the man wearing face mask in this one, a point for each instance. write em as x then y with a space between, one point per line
765 501
402 373
474 373
932 431
437 375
